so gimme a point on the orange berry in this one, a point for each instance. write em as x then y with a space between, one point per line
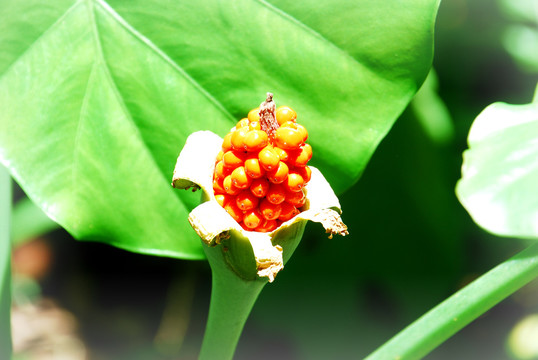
253 219
219 156
254 115
238 138
253 168
288 211
223 199
267 226
255 140
288 138
220 199
296 198
282 154
270 211
294 182
289 124
232 209
227 142
233 159
229 187
279 173
242 123
268 158
218 187
259 187
220 171
302 130
305 172
254 125
302 156
285 113
246 201
240 179
276 194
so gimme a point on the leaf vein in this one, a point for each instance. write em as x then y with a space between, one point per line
147 42
49 29
314 32
114 86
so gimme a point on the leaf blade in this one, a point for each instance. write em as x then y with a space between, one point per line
305 68
500 170
136 81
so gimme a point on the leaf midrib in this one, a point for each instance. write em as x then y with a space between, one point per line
152 46
102 61
147 42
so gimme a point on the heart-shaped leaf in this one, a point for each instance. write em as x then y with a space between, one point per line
500 170
99 97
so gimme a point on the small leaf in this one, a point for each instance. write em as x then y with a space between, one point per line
500 170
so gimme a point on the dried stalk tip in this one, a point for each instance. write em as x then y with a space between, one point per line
267 114
332 223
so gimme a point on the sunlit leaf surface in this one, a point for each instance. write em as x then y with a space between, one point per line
98 98
500 170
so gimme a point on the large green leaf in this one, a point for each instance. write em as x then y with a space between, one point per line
500 170
98 98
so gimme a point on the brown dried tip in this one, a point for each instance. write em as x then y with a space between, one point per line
332 223
267 114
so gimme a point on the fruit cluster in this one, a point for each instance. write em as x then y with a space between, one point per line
260 173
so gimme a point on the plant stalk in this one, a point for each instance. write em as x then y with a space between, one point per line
447 318
232 299
5 264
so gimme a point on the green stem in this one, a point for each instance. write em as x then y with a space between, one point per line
5 265
443 321
232 299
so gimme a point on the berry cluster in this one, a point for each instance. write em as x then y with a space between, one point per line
261 171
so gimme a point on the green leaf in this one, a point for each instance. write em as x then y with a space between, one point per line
431 111
500 170
98 98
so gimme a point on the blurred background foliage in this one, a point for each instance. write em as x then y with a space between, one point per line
411 243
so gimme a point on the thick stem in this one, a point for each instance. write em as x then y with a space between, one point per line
5 265
443 321
232 299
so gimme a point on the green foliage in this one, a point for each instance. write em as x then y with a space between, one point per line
498 188
500 170
98 98
432 112
520 38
